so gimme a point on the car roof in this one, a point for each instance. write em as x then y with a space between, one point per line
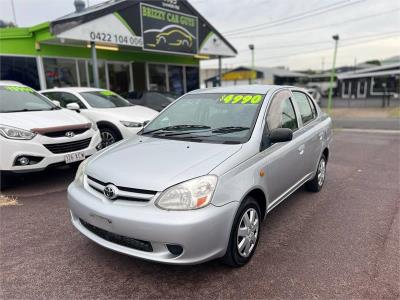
10 82
241 89
76 89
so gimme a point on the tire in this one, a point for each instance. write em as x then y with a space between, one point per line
316 184
233 256
108 136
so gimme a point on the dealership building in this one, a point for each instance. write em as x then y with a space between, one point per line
117 45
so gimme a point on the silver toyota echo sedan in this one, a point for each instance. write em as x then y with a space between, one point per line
197 181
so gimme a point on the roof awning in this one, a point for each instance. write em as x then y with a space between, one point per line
156 26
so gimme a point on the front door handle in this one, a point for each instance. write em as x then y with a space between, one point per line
321 136
301 149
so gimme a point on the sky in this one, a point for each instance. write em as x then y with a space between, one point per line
296 34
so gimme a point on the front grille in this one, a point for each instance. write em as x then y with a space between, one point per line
118 239
62 133
124 193
68 147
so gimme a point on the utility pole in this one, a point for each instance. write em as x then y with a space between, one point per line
13 12
251 47
336 39
95 65
219 71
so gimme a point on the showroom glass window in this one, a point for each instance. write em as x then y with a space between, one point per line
21 69
119 78
157 78
175 80
60 72
192 78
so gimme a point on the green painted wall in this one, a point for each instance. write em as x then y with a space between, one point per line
24 41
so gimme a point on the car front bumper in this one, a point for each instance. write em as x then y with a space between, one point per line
11 149
203 234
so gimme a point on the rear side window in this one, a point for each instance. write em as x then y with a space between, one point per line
307 109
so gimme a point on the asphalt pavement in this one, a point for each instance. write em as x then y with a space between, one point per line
341 243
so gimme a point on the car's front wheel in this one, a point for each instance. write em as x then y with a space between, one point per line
245 233
108 136
315 184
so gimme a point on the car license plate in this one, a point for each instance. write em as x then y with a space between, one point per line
73 157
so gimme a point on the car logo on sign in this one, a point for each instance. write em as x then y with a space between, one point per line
110 191
70 134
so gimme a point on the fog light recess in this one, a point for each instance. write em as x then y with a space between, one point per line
26 160
175 249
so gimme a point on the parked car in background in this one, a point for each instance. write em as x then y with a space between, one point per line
154 100
315 93
36 134
116 117
197 181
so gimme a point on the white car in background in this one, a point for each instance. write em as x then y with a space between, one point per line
115 116
36 134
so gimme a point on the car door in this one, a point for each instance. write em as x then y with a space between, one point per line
283 170
312 134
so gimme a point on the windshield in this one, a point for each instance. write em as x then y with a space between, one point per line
21 99
105 99
217 118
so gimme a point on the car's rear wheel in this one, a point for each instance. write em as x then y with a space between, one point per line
315 184
245 234
108 136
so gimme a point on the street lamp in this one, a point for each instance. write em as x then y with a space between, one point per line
336 39
251 47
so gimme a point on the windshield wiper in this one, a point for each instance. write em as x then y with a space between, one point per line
229 129
177 127
22 110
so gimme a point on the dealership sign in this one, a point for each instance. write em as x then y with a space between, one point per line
170 26
168 31
109 29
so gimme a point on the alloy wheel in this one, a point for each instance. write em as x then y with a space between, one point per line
247 234
321 172
107 139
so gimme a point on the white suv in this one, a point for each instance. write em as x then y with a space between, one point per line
116 117
35 133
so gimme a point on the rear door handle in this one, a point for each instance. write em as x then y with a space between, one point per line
321 136
301 149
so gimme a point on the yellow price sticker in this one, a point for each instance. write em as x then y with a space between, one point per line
23 89
107 93
241 99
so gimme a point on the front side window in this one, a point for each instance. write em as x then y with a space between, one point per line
67 98
214 118
281 113
307 109
23 99
104 99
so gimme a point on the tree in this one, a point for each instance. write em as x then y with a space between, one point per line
5 24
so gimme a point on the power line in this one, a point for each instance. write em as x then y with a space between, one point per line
293 18
320 49
350 38
307 29
287 18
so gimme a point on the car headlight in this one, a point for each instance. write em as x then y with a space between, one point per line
192 194
81 171
16 133
131 124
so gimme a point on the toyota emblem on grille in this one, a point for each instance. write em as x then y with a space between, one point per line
110 191
70 134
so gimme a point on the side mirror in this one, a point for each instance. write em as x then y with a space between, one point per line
279 135
56 103
73 106
146 122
